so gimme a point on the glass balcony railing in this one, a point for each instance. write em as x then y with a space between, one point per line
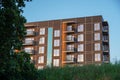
28 42
70 49
69 29
105 58
105 38
105 29
105 48
30 51
69 59
69 39
30 33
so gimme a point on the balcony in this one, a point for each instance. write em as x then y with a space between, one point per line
105 59
105 39
69 59
105 29
30 51
105 48
29 42
69 29
69 39
70 50
30 33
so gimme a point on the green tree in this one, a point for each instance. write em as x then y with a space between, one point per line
14 65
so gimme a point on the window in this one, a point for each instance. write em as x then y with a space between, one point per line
41 59
97 46
40 67
56 33
42 31
96 26
80 58
69 28
41 49
56 62
70 57
29 50
80 47
97 57
42 40
97 36
56 52
29 40
56 42
80 37
81 28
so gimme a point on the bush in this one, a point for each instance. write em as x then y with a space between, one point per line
87 72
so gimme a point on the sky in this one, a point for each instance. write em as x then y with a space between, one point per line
41 10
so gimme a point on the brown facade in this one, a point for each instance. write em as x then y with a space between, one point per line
75 41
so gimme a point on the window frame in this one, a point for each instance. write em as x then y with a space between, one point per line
41 49
56 33
42 31
80 58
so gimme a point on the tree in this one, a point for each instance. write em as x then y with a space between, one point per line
14 65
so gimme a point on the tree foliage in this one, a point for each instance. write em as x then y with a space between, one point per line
14 65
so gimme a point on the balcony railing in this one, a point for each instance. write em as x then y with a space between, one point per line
105 58
68 61
30 33
69 29
105 48
30 51
105 29
69 39
29 42
105 38
70 50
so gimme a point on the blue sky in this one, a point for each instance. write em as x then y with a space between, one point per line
40 10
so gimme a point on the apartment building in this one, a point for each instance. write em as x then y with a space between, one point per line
73 41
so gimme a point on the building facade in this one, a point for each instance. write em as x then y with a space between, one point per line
74 41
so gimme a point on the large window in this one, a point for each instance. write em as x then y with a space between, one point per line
56 33
97 36
80 58
56 52
56 43
56 62
97 46
42 31
41 59
80 37
41 50
80 47
97 57
81 28
42 40
96 26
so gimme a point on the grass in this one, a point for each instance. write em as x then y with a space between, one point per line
87 72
